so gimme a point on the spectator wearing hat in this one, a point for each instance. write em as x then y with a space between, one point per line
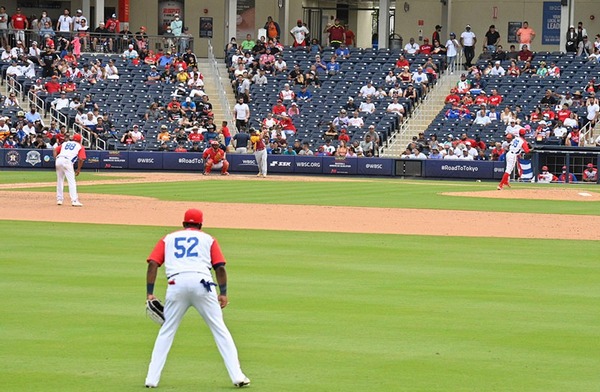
571 40
287 94
497 69
299 33
176 26
19 24
545 177
452 47
337 33
342 119
590 174
574 138
130 54
293 110
426 48
468 40
163 135
585 48
566 177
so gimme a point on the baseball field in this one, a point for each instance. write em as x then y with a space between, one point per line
334 285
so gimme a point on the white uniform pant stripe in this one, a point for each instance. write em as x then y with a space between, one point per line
188 291
64 169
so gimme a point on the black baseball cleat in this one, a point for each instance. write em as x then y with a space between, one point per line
243 383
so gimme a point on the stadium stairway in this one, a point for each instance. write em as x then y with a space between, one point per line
422 117
211 87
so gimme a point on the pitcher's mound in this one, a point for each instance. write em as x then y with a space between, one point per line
533 194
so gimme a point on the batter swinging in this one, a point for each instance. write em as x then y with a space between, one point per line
188 256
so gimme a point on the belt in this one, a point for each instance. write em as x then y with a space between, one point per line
184 272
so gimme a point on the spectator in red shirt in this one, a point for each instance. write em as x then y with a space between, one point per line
402 62
481 98
452 97
564 113
19 24
52 86
344 135
525 54
426 47
279 108
337 33
495 99
195 136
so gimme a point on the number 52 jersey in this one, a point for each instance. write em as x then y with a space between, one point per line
188 250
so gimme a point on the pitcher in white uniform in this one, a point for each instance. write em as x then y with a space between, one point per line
516 147
188 256
65 157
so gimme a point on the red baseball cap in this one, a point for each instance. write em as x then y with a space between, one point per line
77 137
193 216
590 165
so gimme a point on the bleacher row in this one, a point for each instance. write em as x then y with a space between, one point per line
362 66
126 100
525 90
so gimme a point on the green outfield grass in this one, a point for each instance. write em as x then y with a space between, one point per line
309 312
391 193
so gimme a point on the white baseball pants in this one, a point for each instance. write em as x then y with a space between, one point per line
64 169
261 161
511 160
185 292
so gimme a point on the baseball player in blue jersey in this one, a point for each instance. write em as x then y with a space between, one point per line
188 256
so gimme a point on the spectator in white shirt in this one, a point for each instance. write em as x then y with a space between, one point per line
411 47
396 108
61 102
497 70
368 90
367 106
356 121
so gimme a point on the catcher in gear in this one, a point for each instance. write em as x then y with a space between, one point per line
214 157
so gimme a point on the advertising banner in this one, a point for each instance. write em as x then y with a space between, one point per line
92 160
146 160
190 161
513 27
375 166
124 9
280 163
498 169
242 163
308 164
458 169
22 158
114 160
166 13
246 19
206 27
331 165
551 23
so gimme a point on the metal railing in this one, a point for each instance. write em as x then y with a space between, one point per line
106 42
220 87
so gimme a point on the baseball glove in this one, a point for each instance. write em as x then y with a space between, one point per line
155 310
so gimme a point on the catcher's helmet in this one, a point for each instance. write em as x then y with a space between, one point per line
193 216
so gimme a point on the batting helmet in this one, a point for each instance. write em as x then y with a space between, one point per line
522 131
193 216
77 138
